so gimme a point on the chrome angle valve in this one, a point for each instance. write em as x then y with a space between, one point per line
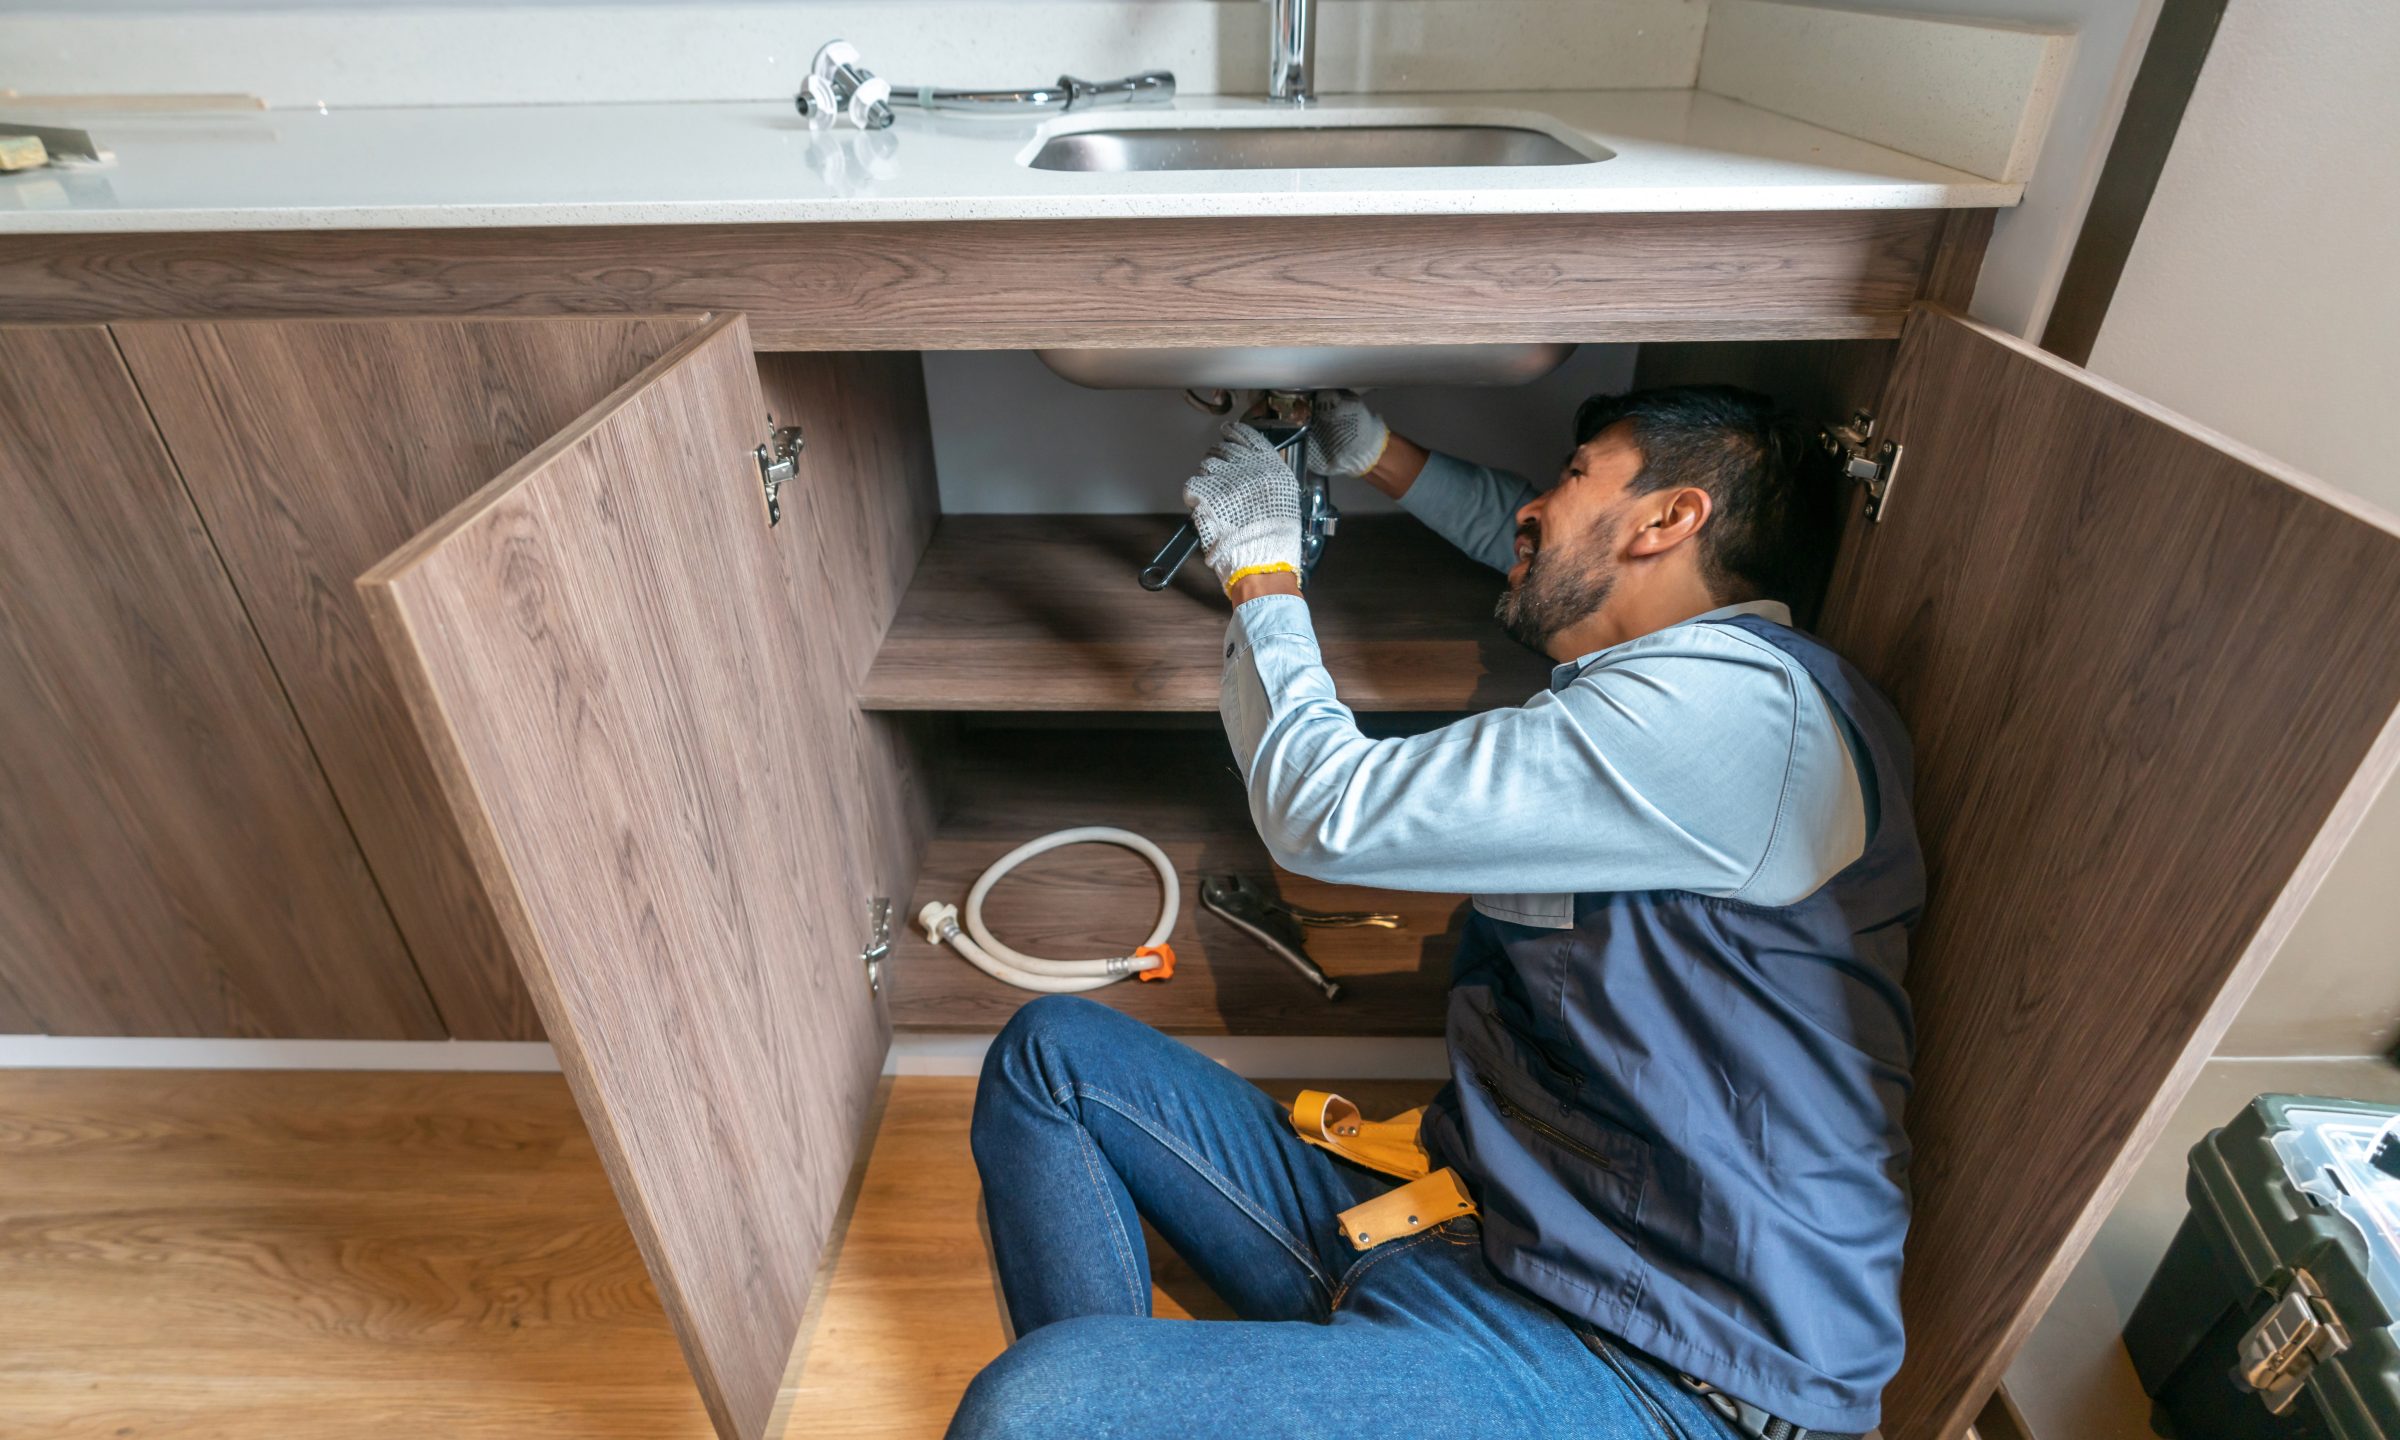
1284 417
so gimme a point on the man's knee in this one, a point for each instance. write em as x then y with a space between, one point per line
1046 1385
1048 1040
1048 1022
1031 1060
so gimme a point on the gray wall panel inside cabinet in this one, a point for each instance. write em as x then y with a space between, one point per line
1009 437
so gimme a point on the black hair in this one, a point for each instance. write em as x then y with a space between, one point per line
1775 493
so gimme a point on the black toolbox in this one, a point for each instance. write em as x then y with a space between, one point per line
2273 1313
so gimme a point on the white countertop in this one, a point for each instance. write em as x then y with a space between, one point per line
758 163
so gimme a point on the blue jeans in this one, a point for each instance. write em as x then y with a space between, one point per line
1086 1122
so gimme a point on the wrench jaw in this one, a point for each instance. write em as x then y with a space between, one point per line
1247 906
1160 573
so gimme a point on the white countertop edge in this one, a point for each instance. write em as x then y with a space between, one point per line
754 163
1389 204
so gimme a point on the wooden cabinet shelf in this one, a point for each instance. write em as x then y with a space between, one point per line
1178 788
1042 612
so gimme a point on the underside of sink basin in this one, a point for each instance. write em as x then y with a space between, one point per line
1303 367
1304 147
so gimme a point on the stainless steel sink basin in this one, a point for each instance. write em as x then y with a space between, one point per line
1304 147
1304 367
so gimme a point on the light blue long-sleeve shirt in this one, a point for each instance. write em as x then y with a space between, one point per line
1693 758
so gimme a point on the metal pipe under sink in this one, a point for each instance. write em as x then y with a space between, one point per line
1283 378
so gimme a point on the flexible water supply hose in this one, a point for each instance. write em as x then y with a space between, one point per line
1154 959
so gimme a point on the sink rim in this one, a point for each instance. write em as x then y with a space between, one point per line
1263 116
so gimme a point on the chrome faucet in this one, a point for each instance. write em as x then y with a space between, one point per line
1292 51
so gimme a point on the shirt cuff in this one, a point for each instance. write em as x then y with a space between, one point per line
1268 616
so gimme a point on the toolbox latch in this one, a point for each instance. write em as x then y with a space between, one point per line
2298 1333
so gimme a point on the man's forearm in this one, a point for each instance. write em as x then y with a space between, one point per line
1397 467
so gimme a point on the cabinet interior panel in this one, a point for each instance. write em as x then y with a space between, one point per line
171 859
863 490
1042 612
1179 788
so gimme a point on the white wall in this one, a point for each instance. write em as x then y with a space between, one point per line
373 52
2030 243
2261 297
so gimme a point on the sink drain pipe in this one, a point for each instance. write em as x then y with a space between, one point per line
1154 959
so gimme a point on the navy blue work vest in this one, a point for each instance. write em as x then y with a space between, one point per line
1681 1115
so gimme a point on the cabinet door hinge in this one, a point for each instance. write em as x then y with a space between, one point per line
879 939
1870 464
778 464
2298 1333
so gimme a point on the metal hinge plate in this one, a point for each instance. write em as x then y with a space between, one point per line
1873 465
778 464
2298 1333
879 940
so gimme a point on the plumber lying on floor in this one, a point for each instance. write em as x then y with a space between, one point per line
1665 1192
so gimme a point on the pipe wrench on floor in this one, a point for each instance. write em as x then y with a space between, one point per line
1249 907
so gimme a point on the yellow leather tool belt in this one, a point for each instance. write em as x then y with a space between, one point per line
1390 1147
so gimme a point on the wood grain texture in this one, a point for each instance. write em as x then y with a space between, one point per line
1041 612
2153 680
1957 259
640 721
865 489
171 861
1178 788
911 1308
1012 284
224 1255
314 449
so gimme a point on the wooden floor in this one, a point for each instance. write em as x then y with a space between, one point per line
294 1255
910 1311
297 1255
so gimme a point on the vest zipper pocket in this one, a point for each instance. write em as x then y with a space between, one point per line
1518 1113
1555 1068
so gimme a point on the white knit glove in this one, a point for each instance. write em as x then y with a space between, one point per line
1246 505
1345 438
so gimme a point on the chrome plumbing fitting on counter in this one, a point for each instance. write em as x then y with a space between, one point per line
840 88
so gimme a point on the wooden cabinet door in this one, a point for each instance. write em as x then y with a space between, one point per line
643 727
171 859
2152 677
315 447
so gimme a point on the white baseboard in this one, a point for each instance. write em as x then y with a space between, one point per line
111 1052
1260 1057
1257 1057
